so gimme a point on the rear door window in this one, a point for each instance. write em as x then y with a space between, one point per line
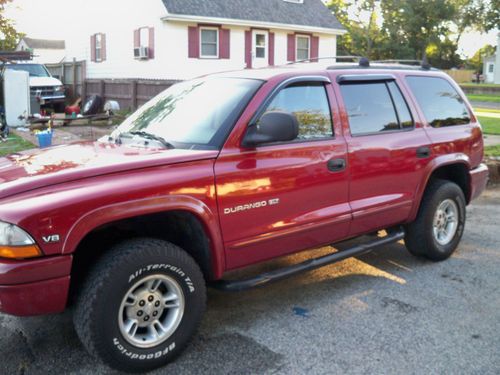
441 103
375 107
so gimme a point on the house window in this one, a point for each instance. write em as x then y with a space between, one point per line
260 45
490 68
209 42
98 47
303 47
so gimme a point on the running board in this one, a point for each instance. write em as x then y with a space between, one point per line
308 265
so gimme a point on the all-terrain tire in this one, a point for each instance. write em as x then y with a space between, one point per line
424 237
101 306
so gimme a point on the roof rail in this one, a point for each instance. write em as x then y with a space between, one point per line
316 59
424 64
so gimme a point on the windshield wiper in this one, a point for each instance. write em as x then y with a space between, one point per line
149 136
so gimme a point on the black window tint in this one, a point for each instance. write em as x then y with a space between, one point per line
440 102
309 103
369 107
404 114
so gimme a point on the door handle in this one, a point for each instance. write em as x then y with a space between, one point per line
423 152
336 165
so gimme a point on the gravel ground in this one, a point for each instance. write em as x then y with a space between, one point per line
383 313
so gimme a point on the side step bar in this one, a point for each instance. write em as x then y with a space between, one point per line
308 265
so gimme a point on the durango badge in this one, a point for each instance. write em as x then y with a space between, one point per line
251 206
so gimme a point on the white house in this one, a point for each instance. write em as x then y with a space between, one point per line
182 39
44 51
491 66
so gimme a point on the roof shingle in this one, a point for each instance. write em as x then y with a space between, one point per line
311 13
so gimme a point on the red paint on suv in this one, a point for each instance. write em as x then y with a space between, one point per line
223 172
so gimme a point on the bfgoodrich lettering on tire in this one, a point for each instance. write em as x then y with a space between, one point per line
439 226
140 306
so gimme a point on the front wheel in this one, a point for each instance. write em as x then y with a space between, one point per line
140 305
439 226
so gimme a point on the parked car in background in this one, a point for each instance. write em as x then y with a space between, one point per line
48 91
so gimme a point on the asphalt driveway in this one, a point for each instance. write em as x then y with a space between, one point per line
383 313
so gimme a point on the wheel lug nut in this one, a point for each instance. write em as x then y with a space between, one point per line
142 303
139 313
151 298
157 303
155 313
146 318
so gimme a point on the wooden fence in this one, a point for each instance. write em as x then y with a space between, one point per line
129 93
461 76
72 75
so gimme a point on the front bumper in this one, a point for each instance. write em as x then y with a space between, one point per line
34 287
478 180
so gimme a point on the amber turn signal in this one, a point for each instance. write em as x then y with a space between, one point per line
19 252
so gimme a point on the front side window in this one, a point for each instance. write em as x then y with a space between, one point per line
193 114
209 42
440 102
303 47
375 107
309 103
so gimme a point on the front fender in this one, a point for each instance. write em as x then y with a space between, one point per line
124 210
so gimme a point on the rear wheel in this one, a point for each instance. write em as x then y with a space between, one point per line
140 305
439 226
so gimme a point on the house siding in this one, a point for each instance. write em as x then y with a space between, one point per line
172 49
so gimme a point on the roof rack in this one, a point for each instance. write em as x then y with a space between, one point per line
316 59
424 64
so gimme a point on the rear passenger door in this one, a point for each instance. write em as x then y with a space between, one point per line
387 150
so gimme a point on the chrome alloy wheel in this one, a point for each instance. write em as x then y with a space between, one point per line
151 311
445 222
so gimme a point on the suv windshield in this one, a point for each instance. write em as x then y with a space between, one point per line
193 114
35 70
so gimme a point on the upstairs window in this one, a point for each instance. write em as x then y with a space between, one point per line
98 47
144 43
441 103
209 42
375 107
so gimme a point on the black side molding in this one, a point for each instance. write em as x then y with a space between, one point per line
308 265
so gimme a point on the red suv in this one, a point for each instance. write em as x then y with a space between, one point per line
226 171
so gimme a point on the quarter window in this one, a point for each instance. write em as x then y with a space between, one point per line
440 102
209 42
309 103
375 107
303 47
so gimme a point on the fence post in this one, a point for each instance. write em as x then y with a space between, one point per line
83 79
73 66
133 94
101 88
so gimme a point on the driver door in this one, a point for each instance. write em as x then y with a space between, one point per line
279 198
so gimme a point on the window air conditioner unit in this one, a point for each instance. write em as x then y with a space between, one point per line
141 53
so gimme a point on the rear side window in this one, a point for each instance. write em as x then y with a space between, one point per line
309 103
440 102
375 107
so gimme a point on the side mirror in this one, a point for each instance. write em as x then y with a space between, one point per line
272 127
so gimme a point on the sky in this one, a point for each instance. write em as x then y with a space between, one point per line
51 19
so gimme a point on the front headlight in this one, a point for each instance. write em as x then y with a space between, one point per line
15 243
59 89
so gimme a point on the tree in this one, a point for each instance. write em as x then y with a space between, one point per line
476 61
9 37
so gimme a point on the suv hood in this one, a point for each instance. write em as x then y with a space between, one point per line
39 168
44 81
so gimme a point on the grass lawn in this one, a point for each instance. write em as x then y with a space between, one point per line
485 85
484 98
14 144
490 125
479 110
492 150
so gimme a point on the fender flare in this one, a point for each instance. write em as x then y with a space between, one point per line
125 210
435 164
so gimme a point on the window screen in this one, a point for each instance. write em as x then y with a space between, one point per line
309 103
440 102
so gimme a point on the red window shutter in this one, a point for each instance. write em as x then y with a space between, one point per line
224 43
248 49
291 47
314 48
137 38
92 48
271 49
151 47
103 47
193 42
